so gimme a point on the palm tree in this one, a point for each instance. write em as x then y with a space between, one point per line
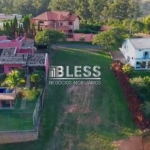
13 79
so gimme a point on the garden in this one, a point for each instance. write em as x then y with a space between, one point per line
136 92
27 90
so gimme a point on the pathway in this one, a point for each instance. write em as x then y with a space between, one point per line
27 86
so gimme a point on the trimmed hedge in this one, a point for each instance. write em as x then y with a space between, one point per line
86 31
134 103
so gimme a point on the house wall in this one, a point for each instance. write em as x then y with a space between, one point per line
78 36
140 53
18 136
76 24
7 67
14 43
2 38
47 65
26 51
129 52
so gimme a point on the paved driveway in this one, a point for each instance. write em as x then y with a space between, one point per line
117 55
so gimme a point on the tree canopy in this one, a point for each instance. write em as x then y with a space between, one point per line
86 9
49 37
110 39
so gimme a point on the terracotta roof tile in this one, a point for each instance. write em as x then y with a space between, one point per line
56 16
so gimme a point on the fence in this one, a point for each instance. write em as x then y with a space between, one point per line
21 126
81 37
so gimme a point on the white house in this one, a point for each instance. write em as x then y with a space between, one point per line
137 52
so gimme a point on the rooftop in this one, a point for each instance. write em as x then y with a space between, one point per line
140 43
8 56
28 44
9 52
36 59
56 16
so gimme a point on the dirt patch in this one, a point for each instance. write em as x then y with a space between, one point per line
133 143
92 119
75 112
146 141
80 97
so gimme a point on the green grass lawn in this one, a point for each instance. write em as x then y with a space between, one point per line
141 73
99 113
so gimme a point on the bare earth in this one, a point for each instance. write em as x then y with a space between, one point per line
77 111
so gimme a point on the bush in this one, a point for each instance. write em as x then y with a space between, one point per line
128 69
138 83
93 27
31 94
39 72
132 99
85 31
146 107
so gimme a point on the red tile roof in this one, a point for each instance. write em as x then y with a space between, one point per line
56 16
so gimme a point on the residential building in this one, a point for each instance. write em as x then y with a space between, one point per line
16 54
137 52
59 20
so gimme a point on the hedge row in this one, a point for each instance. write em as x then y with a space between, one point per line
133 101
86 31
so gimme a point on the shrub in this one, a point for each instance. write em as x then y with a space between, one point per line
147 82
132 99
138 83
94 27
39 72
31 94
146 107
85 31
128 69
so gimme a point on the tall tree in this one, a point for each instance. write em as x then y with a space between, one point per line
6 6
65 5
83 9
96 7
121 9
49 37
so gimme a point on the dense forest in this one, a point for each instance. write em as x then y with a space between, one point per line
92 10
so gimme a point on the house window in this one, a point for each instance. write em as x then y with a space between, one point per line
61 24
138 64
143 64
70 23
70 31
146 55
41 21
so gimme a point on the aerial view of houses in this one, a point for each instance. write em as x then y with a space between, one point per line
74 75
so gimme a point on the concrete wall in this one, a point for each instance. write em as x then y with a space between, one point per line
15 137
76 24
2 38
78 36
7 67
14 43
47 65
